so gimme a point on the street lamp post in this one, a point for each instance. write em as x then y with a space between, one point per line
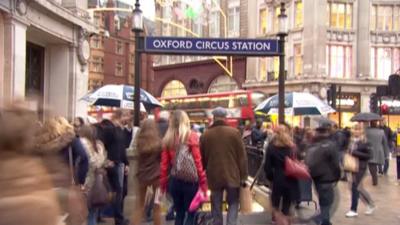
137 28
281 83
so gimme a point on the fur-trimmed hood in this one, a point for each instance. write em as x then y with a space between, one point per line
55 135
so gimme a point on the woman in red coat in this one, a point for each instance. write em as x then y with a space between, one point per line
181 167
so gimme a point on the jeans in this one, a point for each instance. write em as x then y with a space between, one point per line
116 178
233 205
326 195
358 191
373 169
383 169
183 193
92 216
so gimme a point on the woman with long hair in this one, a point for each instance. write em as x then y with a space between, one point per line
181 155
283 188
148 174
95 150
360 149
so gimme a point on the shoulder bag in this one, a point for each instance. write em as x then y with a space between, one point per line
296 169
184 167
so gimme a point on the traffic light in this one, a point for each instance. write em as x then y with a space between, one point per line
373 103
332 95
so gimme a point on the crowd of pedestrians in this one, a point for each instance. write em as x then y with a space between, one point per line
176 159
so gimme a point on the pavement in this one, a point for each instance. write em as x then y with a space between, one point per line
386 197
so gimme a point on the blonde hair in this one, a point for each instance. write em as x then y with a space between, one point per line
148 139
178 129
282 137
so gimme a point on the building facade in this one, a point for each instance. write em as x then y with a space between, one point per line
43 54
354 44
178 75
113 50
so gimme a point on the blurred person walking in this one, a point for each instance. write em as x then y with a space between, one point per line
117 161
379 150
96 152
383 170
284 188
181 156
58 136
148 172
225 161
27 195
322 160
360 149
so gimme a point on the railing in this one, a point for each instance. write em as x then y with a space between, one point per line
255 159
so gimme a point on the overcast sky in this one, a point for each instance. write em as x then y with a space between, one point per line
147 6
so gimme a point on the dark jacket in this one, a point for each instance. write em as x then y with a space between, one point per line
323 160
224 156
114 139
362 151
274 166
79 158
162 127
257 137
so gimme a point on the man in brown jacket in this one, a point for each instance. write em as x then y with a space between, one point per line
225 160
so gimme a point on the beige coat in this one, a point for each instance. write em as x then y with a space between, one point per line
27 196
96 160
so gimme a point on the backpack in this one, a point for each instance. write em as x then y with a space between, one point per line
183 166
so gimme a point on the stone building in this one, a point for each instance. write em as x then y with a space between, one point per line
354 44
43 54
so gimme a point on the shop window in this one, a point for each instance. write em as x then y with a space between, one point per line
119 49
119 69
174 88
262 74
340 15
384 62
234 21
339 60
298 59
214 24
263 21
385 18
223 83
97 64
372 22
96 42
298 14
277 11
276 68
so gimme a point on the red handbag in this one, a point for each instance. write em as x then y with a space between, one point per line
296 169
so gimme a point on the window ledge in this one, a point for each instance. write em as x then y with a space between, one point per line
296 29
343 31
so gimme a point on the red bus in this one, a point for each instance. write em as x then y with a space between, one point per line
239 105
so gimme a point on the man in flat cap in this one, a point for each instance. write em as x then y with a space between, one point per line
225 160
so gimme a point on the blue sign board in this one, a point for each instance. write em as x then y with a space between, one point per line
211 46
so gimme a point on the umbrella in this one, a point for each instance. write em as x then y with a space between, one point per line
366 117
296 103
121 96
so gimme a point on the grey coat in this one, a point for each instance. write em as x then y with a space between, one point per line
379 145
